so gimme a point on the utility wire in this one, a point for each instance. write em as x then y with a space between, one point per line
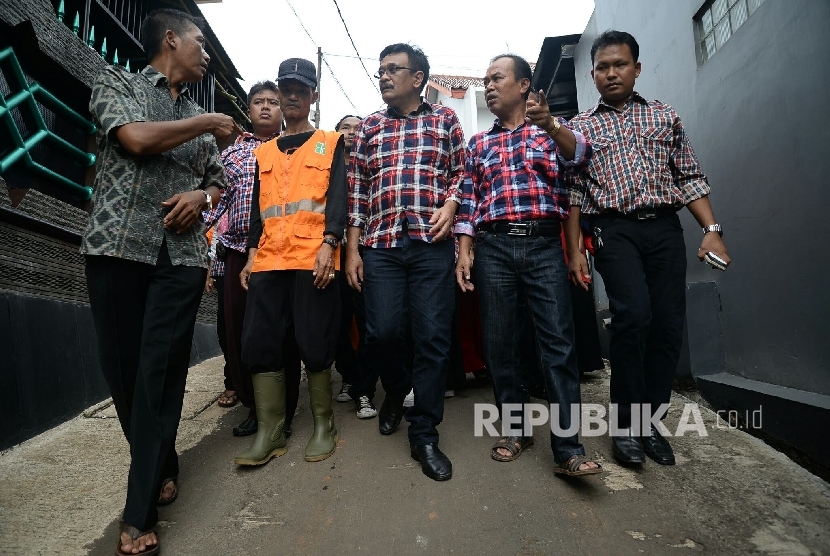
301 22
324 60
442 68
339 85
375 85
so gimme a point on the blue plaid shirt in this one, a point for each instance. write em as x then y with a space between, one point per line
404 168
514 175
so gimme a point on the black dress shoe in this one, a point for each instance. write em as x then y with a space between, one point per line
627 449
434 463
391 413
246 427
658 448
286 429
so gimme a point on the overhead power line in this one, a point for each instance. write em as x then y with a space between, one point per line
346 27
301 22
339 85
324 60
441 67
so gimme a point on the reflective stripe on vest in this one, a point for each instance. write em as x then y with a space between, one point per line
307 205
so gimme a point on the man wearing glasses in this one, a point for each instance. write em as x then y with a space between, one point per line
405 175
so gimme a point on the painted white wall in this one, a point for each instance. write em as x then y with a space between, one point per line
471 110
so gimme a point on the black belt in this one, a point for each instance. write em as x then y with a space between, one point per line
637 214
545 228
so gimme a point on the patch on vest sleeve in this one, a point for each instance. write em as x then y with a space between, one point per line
320 148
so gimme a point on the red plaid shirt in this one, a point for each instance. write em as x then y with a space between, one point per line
514 175
642 159
404 168
239 161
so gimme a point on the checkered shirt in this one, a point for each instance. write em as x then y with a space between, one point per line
514 175
642 159
404 168
217 267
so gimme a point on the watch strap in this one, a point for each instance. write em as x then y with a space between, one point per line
713 228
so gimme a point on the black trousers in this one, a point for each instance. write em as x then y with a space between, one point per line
234 304
219 284
144 317
643 266
348 364
276 300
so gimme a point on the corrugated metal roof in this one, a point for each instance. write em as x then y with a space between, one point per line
461 81
457 81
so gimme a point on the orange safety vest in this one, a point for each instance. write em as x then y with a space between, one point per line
292 203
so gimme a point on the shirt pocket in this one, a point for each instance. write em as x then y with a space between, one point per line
540 156
428 151
317 173
267 197
309 226
657 146
600 169
489 165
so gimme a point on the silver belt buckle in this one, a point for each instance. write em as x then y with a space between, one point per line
645 214
517 229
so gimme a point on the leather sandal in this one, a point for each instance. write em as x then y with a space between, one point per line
164 483
571 468
135 534
227 399
513 444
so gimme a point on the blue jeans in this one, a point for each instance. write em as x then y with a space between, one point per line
533 268
413 283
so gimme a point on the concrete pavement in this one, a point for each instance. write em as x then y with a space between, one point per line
62 492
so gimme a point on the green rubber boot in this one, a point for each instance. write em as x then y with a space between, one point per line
269 442
323 440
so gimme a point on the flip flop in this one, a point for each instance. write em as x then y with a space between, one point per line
168 501
134 534
230 400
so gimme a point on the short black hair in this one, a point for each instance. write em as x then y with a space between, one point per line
417 59
344 118
259 87
611 38
158 22
521 69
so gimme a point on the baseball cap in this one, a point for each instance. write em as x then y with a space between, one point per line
300 69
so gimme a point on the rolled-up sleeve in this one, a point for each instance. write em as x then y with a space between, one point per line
457 153
583 152
358 182
464 222
688 176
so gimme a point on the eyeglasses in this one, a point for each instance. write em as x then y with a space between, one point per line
391 70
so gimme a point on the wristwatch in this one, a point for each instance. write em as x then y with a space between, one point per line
331 242
208 199
713 228
554 129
